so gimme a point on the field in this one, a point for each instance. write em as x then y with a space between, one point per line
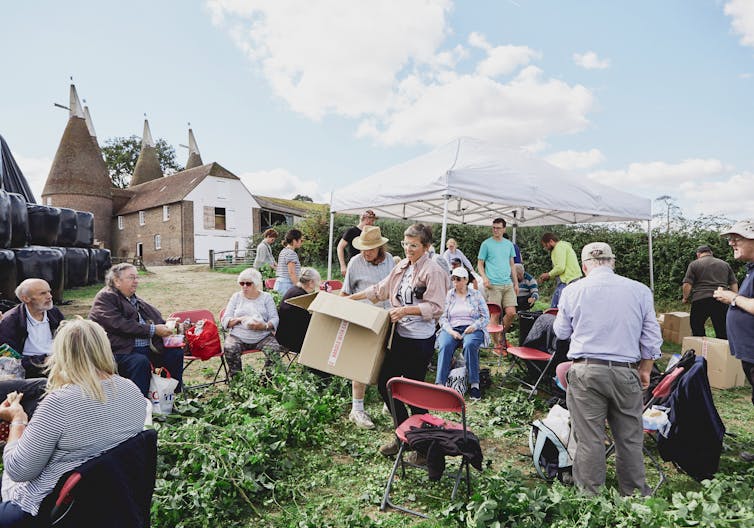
284 454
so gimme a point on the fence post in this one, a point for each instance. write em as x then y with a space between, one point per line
211 259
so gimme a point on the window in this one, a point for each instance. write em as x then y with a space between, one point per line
120 222
141 218
214 218
165 213
49 201
220 218
157 242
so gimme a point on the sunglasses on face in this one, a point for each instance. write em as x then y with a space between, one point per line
245 283
456 278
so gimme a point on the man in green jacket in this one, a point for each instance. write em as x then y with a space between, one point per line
565 264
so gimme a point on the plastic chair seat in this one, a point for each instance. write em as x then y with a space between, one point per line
529 354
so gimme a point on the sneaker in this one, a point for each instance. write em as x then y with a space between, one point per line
747 457
361 419
475 394
416 458
391 448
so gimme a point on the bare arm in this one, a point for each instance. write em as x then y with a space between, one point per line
480 267
726 296
686 292
342 255
292 272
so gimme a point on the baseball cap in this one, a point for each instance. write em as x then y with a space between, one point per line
455 262
744 228
596 250
460 272
704 249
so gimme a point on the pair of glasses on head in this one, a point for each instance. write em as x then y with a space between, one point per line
410 245
241 283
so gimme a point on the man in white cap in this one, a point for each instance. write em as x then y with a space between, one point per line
615 339
366 269
740 319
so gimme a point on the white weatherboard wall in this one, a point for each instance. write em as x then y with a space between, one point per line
238 203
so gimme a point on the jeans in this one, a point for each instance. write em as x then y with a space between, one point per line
447 347
12 516
556 294
136 366
282 285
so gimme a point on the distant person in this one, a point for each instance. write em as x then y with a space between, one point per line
517 259
444 264
294 321
703 276
740 319
454 253
367 218
565 264
29 327
528 289
264 250
289 265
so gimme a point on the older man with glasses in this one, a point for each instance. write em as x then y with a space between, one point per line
740 318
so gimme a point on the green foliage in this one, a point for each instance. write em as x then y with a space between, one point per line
121 154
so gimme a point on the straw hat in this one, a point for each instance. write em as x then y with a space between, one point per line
370 238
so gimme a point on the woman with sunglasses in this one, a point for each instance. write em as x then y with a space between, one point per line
251 320
463 322
416 290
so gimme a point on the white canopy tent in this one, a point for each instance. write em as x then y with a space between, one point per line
469 181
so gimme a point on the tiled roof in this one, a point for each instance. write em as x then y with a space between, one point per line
295 207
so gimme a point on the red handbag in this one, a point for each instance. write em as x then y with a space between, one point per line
203 339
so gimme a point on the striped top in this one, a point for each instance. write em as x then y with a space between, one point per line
287 255
361 274
67 429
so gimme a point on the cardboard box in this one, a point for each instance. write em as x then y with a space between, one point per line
675 326
724 371
346 338
661 320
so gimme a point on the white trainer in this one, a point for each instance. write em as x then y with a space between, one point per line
361 419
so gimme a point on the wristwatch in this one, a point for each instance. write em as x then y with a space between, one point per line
733 301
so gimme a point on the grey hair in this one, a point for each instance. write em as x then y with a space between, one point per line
420 231
253 275
23 288
308 275
520 267
115 272
592 263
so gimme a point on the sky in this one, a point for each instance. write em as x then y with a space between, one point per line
654 98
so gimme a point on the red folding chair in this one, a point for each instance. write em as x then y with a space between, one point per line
433 398
331 285
290 355
269 284
529 359
194 316
495 326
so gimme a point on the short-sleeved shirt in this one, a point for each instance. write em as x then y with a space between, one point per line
740 323
348 236
706 274
287 255
361 274
497 260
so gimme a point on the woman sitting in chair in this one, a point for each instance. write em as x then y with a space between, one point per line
88 409
251 320
294 321
463 322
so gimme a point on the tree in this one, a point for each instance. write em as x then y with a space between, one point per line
121 154
302 198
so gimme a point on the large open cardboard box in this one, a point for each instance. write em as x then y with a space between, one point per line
346 338
724 371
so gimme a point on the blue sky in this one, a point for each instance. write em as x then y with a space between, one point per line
302 97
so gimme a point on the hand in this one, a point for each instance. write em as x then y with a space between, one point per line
12 412
531 301
469 330
724 296
343 270
396 314
233 322
685 300
486 282
162 330
258 326
515 289
644 377
544 277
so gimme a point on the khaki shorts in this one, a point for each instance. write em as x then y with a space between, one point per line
502 294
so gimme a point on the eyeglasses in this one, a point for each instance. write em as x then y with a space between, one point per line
734 239
496 228
456 278
241 283
410 245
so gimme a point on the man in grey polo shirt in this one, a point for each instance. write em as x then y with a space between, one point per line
703 276
615 339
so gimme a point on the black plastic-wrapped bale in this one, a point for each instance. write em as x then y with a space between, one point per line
5 224
19 219
44 222
7 275
84 229
99 263
68 228
37 262
76 266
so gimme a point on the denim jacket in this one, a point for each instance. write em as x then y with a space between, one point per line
479 311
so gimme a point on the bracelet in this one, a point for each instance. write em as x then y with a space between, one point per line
19 422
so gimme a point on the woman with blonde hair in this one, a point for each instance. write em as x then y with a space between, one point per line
88 409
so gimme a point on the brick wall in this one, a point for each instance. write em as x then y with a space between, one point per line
174 233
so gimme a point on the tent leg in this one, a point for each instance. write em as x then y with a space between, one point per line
329 250
651 258
444 225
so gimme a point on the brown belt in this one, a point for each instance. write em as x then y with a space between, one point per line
607 362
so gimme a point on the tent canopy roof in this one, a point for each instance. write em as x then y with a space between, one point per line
484 181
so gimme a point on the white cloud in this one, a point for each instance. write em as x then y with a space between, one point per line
732 196
35 171
742 14
573 160
392 74
279 182
661 175
746 75
590 61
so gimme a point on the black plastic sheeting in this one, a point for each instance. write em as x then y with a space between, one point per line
5 225
67 229
84 229
7 275
11 177
44 223
19 218
76 266
36 262
99 263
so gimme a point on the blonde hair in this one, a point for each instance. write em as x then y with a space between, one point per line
81 354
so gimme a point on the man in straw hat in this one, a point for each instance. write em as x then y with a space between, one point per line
740 319
367 218
366 269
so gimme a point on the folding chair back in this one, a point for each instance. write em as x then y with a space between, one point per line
193 316
269 284
426 395
663 389
551 311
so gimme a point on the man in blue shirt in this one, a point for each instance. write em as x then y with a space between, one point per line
740 318
495 263
615 339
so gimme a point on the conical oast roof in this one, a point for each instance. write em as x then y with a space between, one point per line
148 165
78 167
194 159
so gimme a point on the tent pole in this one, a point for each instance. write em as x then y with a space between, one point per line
329 250
444 224
651 258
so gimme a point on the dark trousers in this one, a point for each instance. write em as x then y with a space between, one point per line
409 358
136 366
749 373
34 366
708 308
12 516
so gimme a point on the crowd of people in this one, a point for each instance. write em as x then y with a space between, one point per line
438 302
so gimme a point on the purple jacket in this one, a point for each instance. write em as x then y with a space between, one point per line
112 311
13 326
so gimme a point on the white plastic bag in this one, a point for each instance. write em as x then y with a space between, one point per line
162 391
457 380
